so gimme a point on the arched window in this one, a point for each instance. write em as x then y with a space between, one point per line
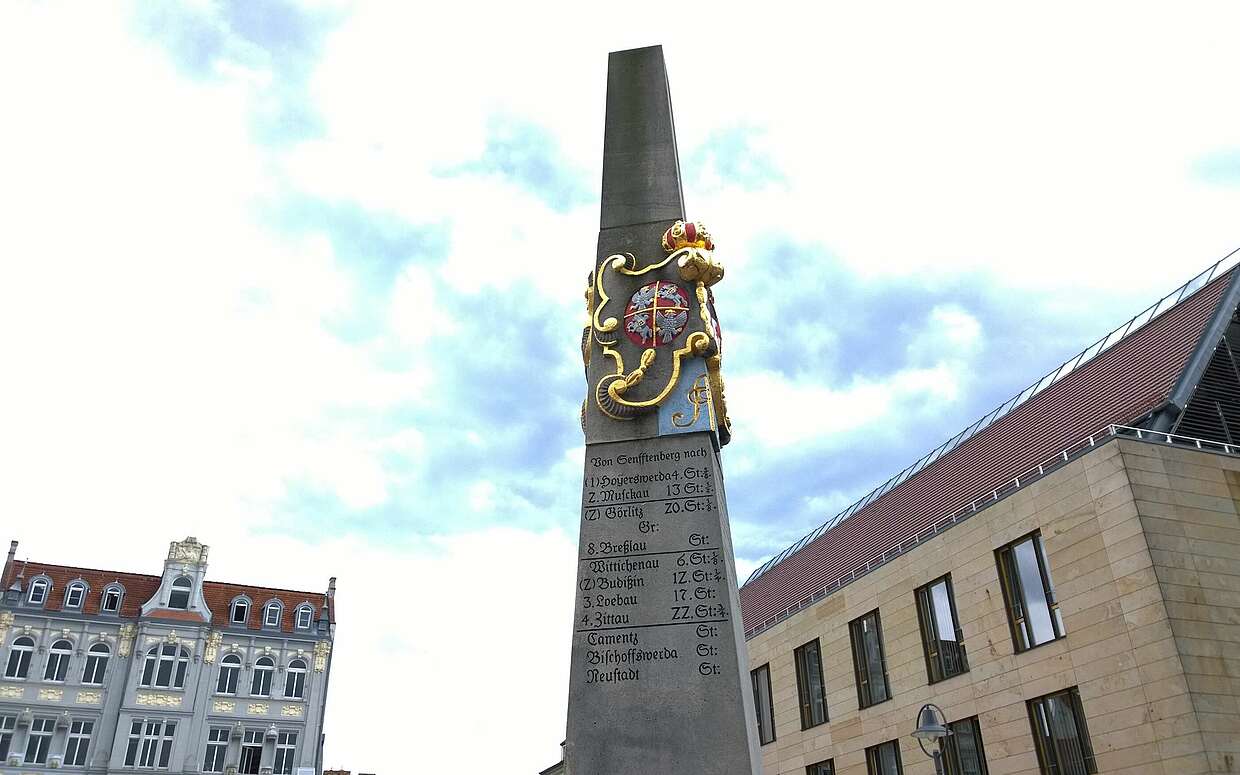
38 592
111 602
230 669
58 661
305 616
165 667
263 669
75 595
96 664
19 658
179 596
240 613
295 679
271 614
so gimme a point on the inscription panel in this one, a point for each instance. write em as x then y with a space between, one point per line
659 679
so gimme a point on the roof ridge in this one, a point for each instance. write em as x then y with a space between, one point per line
1109 340
157 577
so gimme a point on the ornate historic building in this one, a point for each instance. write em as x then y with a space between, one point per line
116 672
1062 578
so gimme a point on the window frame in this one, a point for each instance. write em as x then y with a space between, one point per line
77 742
230 665
175 589
825 767
248 741
99 652
856 634
44 585
42 740
56 668
149 739
239 602
285 753
216 753
1019 625
297 675
309 611
103 599
178 660
1040 743
19 669
874 765
262 673
950 751
82 590
804 700
278 609
755 679
928 621
8 729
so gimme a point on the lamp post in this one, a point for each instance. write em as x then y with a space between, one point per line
932 726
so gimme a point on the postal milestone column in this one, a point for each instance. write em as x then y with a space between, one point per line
659 680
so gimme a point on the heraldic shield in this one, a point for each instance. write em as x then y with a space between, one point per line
652 344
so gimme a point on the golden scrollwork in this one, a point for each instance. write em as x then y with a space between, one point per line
698 395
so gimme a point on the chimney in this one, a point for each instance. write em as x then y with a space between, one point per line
331 583
8 563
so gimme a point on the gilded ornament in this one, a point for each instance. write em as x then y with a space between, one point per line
223 706
158 699
321 650
89 698
12 692
51 695
257 708
213 647
291 711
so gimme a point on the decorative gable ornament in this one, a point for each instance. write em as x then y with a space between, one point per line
188 551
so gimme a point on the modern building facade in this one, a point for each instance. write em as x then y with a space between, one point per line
1062 578
118 672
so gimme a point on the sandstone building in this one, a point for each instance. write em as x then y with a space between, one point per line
1062 578
118 672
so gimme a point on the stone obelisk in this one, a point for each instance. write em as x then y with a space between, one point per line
659 681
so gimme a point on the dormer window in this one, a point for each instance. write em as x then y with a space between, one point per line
75 594
111 602
305 615
38 592
240 611
179 597
271 615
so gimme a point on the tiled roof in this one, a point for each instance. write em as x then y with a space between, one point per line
139 588
1121 384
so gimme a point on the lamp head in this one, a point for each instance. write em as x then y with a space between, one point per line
930 723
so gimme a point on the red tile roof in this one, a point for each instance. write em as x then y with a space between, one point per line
140 588
1117 387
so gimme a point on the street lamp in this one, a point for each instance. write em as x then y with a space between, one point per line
932 726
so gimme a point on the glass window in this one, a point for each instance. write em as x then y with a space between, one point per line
96 664
240 611
150 744
884 759
295 680
271 615
79 743
230 669
165 667
762 703
38 592
74 595
1060 735
811 689
251 752
111 600
263 669
7 725
286 748
941 638
821 768
39 740
1033 612
305 615
179 596
869 663
962 749
58 661
217 747
18 664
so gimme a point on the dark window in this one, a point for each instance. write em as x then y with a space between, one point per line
111 600
821 768
940 630
230 668
962 749
150 744
74 596
96 664
217 746
810 687
19 658
7 725
868 661
260 686
38 592
1032 610
39 740
304 616
884 759
58 661
1060 735
240 612
165 667
762 703
79 743
179 596
295 680
286 752
251 752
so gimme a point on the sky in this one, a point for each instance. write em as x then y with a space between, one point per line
304 280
